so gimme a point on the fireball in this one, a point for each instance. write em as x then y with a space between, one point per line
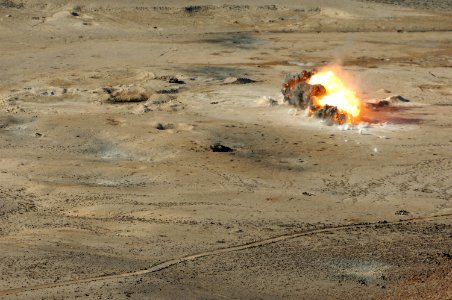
338 94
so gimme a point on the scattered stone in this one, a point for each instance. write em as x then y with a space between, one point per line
168 91
194 8
161 126
8 16
402 212
37 134
307 194
375 104
362 281
397 98
171 79
176 80
238 80
75 14
217 147
392 100
10 4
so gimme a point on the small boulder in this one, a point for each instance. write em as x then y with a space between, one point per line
217 147
402 212
397 98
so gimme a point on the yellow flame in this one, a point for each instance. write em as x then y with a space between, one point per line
337 93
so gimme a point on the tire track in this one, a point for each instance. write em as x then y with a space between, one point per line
175 261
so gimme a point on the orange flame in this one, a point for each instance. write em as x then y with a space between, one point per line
338 94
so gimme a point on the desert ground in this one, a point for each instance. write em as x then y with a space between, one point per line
109 188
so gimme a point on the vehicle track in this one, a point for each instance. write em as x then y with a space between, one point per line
175 261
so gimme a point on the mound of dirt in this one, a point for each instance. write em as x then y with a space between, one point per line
126 94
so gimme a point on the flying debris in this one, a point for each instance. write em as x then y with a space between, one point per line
323 95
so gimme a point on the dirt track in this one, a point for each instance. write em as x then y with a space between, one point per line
261 243
130 193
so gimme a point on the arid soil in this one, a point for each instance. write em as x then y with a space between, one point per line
109 188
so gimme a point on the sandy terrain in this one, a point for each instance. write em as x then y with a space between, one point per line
109 188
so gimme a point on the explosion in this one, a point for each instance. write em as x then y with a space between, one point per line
337 93
324 95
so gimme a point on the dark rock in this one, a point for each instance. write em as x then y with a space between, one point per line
161 126
362 281
107 90
168 91
389 101
194 8
402 212
75 14
176 80
217 147
398 98
171 79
